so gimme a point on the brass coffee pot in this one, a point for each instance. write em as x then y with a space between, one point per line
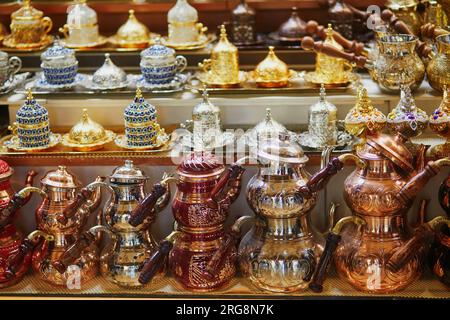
60 188
381 194
406 10
437 68
129 247
397 61
280 252
201 252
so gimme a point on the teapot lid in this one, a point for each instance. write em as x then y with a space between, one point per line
128 173
393 148
200 163
5 170
109 75
283 149
294 27
267 128
26 12
60 178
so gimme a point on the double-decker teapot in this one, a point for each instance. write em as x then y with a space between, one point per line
122 259
281 251
373 260
201 256
60 187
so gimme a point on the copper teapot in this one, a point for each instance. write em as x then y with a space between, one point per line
60 187
281 251
11 239
201 252
129 247
373 259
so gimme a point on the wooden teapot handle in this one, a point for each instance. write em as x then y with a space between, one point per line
145 208
155 262
431 31
319 47
313 28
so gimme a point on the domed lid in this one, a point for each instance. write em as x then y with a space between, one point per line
283 149
406 110
272 68
200 163
60 178
323 103
26 12
57 51
224 45
364 113
86 131
393 148
157 51
267 128
133 30
109 75
182 12
80 15
205 106
31 112
5 170
329 40
139 112
242 12
128 173
294 27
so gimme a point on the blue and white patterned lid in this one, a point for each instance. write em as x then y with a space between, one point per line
57 51
31 113
156 51
139 112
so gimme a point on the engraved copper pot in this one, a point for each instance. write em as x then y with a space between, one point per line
11 239
203 253
129 246
281 251
385 255
60 187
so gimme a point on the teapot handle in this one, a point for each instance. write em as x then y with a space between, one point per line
320 47
231 239
319 180
145 208
156 261
398 25
422 238
17 201
333 239
313 28
432 31
231 173
74 251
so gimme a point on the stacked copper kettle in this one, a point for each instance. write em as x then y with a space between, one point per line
201 252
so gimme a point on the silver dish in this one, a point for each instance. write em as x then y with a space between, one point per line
15 81
41 83
177 84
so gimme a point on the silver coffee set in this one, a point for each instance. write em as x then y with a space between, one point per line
161 71
9 68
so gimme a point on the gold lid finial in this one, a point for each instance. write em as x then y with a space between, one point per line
329 30
138 92
271 50
29 95
85 114
223 31
131 12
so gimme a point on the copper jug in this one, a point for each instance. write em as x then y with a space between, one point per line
381 195
123 257
10 238
61 187
397 62
203 253
281 251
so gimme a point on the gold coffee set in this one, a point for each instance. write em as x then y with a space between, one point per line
281 252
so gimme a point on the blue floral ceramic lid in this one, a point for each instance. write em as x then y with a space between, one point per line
57 51
31 113
157 51
139 112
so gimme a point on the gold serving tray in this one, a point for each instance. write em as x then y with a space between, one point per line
32 286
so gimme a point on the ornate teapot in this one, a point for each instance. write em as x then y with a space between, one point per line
122 259
10 238
201 257
60 187
281 251
396 64
381 194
